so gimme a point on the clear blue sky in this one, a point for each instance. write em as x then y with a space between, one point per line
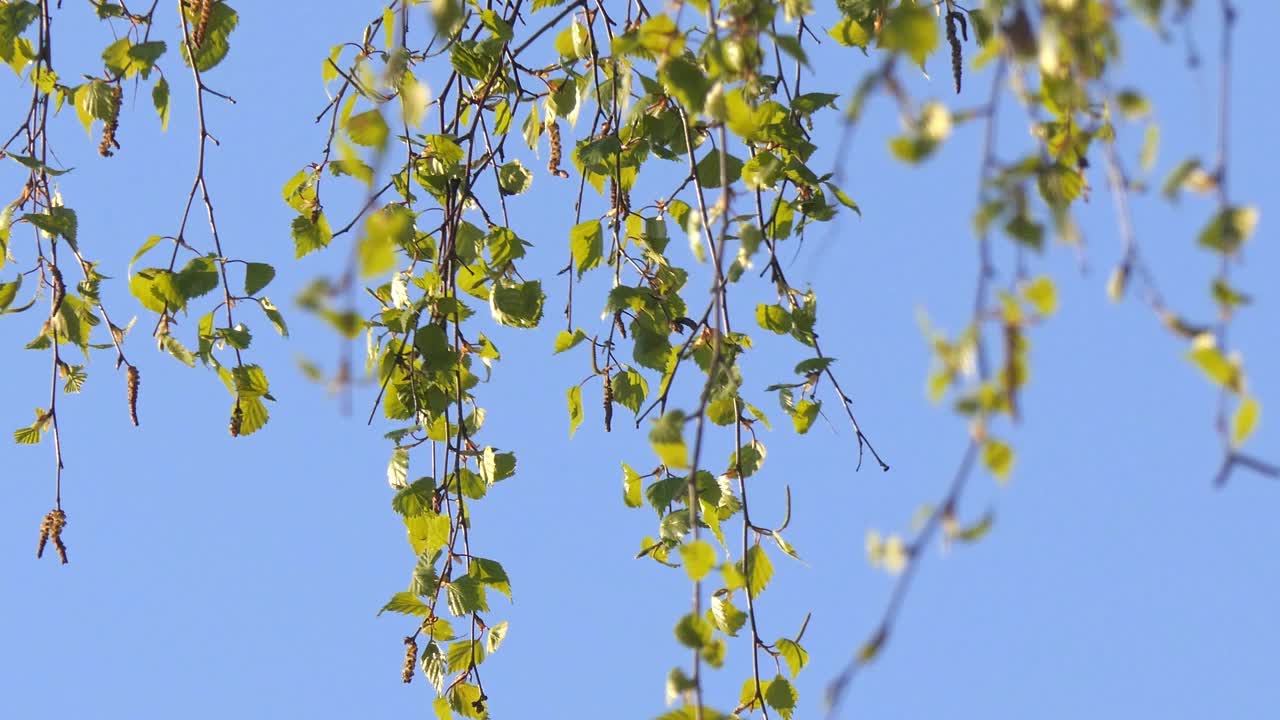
213 578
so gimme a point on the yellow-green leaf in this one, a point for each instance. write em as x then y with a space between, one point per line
1246 420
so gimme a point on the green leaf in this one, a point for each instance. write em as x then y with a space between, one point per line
686 82
773 318
27 435
466 595
757 570
1205 354
425 580
385 230
709 171
368 128
257 276
1150 148
160 99
237 337
514 178
693 631
491 573
660 36
125 59
998 457
517 304
699 557
1060 185
1026 231
804 413
727 618
254 415
504 246
250 381
667 439
911 29
427 532
273 315
586 241
850 33
9 291
1133 105
1229 229
433 345
1042 294
795 656
781 696
748 459
96 100
416 498
566 340
630 389
974 532
574 396
466 700
151 242
844 198
310 234
76 377
762 172
631 486
199 277
912 149
1185 174
58 221
406 603
144 56
398 469
813 365
465 654
1245 421
497 633
33 164
157 289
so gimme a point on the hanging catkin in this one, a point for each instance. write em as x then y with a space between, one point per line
553 137
957 56
202 22
608 403
132 383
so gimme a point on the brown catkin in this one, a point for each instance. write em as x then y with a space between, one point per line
608 403
957 56
109 143
1012 372
51 529
202 22
237 418
58 287
553 137
410 659
619 200
44 537
133 381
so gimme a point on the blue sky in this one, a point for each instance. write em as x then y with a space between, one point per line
213 578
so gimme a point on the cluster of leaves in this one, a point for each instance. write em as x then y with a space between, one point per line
131 59
696 118
1055 61
422 348
169 290
57 260
651 97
